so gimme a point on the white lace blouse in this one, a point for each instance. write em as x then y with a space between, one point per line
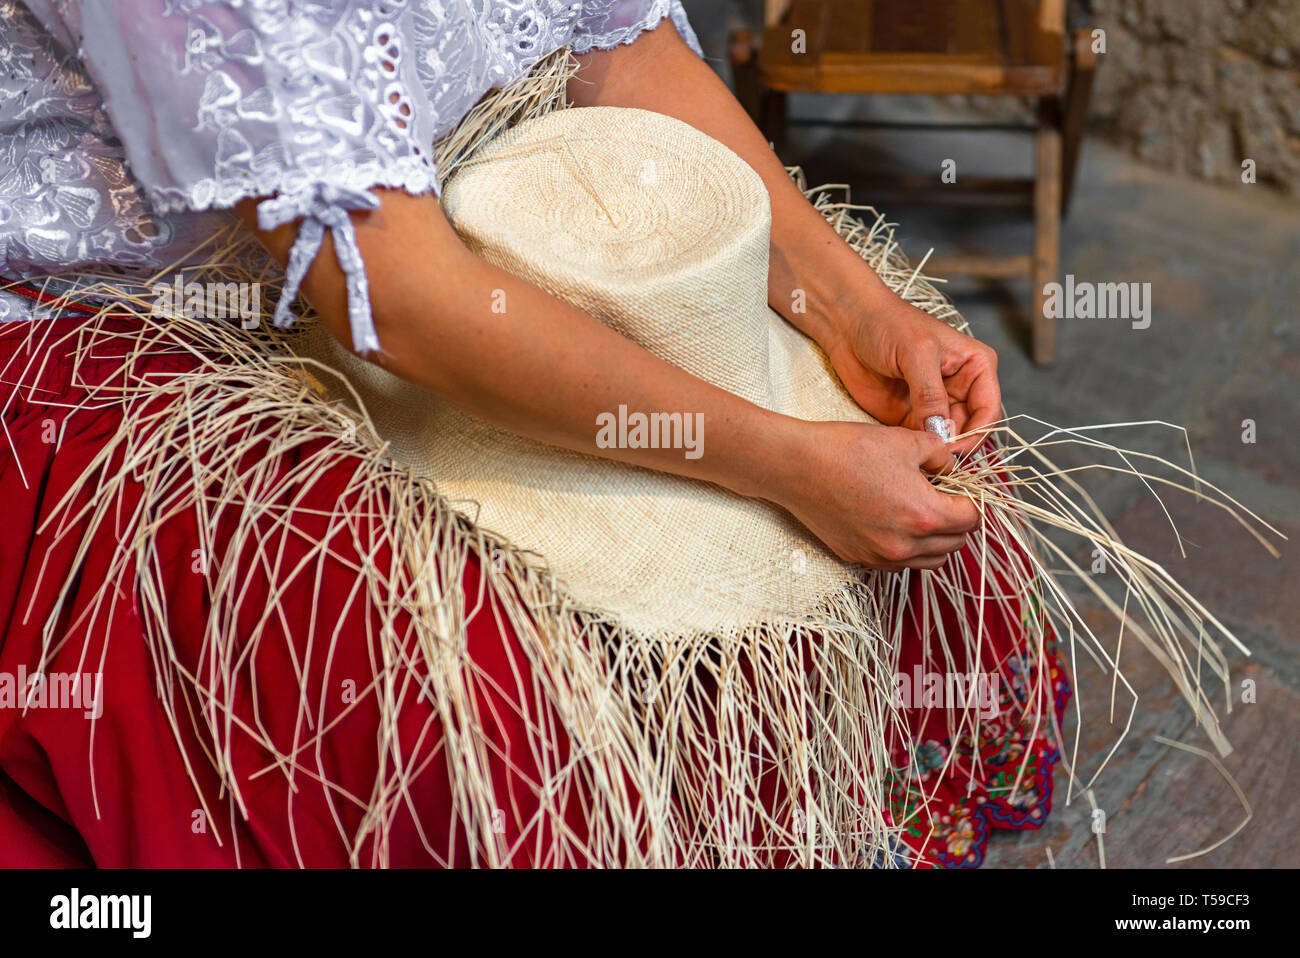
123 121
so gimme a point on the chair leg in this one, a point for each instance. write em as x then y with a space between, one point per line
1047 223
766 107
742 53
773 116
1078 93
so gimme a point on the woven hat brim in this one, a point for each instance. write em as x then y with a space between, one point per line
658 552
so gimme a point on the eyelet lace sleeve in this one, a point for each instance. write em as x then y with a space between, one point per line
215 102
311 103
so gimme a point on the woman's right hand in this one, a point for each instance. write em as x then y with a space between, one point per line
860 489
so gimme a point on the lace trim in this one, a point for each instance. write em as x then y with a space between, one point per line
324 207
663 10
415 174
321 203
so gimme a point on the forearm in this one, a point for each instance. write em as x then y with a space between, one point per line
524 360
815 279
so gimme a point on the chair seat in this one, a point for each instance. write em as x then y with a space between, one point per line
915 46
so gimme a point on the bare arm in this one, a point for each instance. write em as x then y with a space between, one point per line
901 364
661 73
546 376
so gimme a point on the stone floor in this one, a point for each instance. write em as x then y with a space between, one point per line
1221 348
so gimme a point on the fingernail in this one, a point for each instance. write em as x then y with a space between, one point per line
941 427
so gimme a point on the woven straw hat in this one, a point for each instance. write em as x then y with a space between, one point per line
662 233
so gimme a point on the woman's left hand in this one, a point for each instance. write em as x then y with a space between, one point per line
902 366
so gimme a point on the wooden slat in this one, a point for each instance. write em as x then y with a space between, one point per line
1077 96
1048 41
1033 35
1014 26
781 67
741 52
846 60
991 267
1051 16
1047 223
922 74
850 27
928 188
919 26
988 46
774 10
975 27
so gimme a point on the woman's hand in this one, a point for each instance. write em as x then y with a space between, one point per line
859 488
902 366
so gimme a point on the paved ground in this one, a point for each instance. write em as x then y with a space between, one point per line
1221 348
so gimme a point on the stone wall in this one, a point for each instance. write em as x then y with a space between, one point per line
1198 86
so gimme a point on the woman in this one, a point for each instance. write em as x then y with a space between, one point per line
314 122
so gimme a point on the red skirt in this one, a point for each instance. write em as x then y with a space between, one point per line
121 790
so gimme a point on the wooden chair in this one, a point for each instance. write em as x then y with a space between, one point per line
1014 47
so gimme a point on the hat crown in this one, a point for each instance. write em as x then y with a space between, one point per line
649 225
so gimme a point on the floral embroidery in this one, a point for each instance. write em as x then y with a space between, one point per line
1001 777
